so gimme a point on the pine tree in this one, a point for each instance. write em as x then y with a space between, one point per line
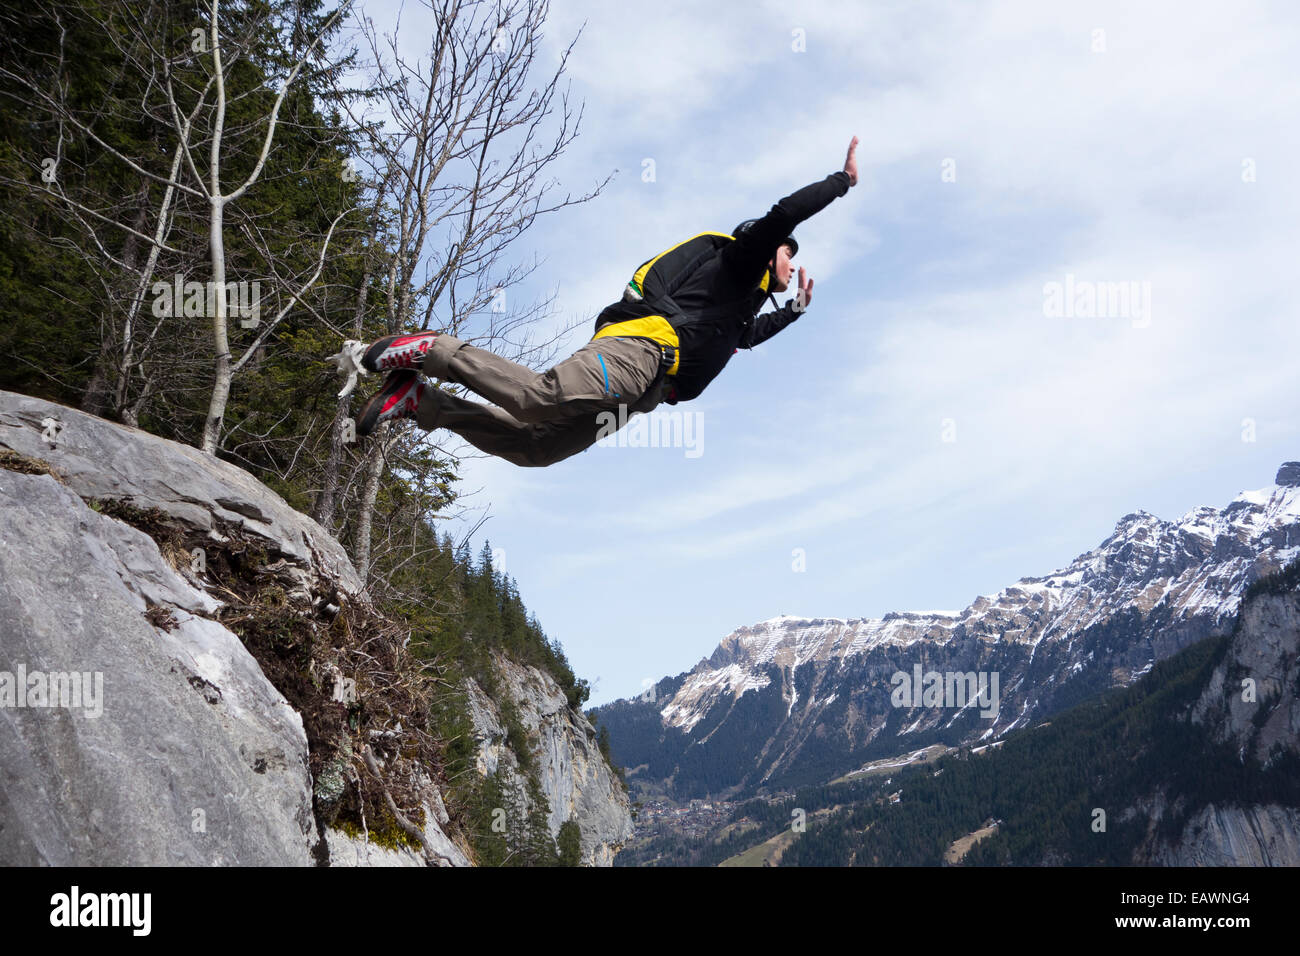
570 844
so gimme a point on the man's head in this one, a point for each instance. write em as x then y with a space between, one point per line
779 265
782 269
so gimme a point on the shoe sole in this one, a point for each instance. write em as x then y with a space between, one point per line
398 381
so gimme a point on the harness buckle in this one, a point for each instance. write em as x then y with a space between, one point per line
667 357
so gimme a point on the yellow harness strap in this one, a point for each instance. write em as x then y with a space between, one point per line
653 327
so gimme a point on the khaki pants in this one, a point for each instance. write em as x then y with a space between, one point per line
543 417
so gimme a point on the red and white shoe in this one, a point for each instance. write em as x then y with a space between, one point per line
399 398
398 351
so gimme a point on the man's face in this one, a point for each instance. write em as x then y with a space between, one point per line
782 270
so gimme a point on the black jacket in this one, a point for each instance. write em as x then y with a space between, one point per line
701 295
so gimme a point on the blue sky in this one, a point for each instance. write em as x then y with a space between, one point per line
927 431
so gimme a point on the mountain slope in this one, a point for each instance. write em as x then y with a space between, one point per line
1177 770
792 701
1188 766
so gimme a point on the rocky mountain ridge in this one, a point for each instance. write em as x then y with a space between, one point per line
816 693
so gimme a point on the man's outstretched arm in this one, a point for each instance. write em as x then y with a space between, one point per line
746 259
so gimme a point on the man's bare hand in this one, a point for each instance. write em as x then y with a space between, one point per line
851 162
804 295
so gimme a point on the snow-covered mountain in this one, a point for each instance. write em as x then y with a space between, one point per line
798 700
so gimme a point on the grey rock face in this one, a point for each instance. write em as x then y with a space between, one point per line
574 776
194 759
99 459
1236 836
1288 474
1250 702
1265 653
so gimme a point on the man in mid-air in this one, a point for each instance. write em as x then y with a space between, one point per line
682 316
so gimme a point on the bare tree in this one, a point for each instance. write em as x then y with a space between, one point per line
218 199
460 145
327 500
